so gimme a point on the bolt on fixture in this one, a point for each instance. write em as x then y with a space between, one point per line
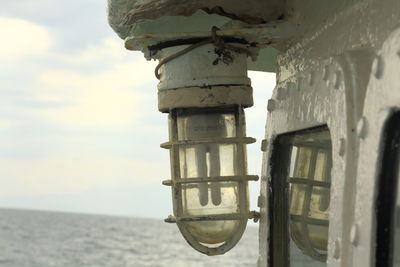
204 87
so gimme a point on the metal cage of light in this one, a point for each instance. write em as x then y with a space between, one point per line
207 74
204 87
241 179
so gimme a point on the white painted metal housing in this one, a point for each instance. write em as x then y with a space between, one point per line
331 76
338 65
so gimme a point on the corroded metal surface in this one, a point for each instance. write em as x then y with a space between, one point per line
204 66
331 69
205 97
225 140
382 98
274 34
216 217
124 13
211 77
312 98
210 179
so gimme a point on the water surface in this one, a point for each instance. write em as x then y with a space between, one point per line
41 239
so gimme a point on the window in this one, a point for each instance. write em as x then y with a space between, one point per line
299 198
388 199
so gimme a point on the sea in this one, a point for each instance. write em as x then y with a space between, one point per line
39 239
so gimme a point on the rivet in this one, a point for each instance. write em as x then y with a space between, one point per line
342 146
325 73
311 78
264 144
336 249
271 105
377 67
281 93
354 235
260 202
362 129
337 80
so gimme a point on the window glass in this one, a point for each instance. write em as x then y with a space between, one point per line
309 187
303 161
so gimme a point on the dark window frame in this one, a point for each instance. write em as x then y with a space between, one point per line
387 183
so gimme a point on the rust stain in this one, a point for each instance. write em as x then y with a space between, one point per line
245 18
155 9
145 36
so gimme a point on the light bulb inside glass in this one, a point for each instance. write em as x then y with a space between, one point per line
209 159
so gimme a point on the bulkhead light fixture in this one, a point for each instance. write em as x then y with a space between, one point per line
204 87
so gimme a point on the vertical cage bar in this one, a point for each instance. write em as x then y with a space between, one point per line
242 185
175 164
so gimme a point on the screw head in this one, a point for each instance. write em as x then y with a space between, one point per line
271 105
264 144
362 130
337 80
260 202
354 235
342 146
336 249
378 67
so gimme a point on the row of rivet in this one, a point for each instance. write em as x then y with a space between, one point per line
377 70
377 67
282 92
337 81
362 129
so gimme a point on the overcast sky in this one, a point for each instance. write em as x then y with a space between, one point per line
79 125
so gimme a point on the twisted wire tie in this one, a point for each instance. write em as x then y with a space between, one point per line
215 39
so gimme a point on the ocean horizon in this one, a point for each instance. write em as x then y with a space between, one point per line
37 238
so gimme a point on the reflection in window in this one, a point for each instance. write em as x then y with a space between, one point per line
303 162
309 187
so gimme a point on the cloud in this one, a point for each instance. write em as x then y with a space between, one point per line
20 38
75 122
70 174
5 124
62 121
109 48
100 86
79 121
105 99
